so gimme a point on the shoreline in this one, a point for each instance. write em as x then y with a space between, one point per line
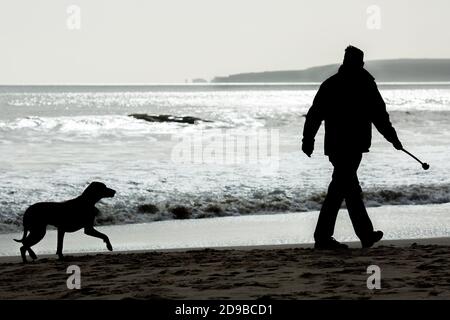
397 222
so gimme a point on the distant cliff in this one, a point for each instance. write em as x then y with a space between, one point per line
399 70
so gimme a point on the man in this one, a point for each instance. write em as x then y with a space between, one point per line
349 102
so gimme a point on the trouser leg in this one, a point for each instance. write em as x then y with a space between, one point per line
344 185
348 167
357 211
330 208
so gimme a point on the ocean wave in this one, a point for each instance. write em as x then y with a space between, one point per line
100 125
189 206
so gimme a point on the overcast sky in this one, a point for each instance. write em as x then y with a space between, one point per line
138 41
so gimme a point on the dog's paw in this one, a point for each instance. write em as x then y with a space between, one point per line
109 246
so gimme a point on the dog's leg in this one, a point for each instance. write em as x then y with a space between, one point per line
34 237
90 231
59 250
23 253
32 254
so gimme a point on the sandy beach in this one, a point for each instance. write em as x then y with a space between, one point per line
410 269
248 257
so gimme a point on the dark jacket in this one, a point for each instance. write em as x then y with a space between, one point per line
349 102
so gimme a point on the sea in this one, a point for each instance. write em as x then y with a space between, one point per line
240 156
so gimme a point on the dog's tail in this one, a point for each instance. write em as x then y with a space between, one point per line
25 231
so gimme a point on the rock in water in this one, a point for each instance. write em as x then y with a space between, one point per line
181 212
166 118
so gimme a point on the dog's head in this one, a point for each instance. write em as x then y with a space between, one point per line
98 190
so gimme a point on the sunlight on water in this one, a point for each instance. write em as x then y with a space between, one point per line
54 141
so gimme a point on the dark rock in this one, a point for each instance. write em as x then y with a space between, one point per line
181 212
166 118
215 209
148 208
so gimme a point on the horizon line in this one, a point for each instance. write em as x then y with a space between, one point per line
190 84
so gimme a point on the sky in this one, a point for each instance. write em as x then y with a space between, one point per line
171 41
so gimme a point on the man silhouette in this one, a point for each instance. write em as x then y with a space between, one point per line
348 102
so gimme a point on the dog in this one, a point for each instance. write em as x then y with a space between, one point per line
67 216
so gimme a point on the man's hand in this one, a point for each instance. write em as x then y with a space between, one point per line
397 144
308 147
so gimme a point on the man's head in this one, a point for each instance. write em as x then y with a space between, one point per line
354 57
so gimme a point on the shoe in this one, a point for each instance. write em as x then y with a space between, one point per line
375 237
329 244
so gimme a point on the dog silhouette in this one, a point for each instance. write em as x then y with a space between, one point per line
66 216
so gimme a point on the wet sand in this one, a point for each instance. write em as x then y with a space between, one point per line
409 270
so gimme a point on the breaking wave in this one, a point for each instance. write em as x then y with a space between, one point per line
99 125
189 206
